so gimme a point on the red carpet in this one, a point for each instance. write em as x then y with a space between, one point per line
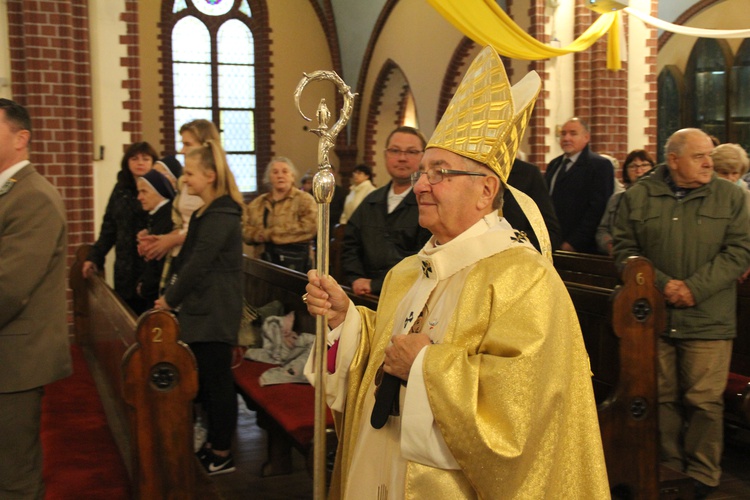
81 460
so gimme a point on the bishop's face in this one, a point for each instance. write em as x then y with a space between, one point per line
455 203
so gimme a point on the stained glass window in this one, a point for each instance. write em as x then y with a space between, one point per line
213 75
740 96
669 118
245 8
179 5
715 96
214 7
707 83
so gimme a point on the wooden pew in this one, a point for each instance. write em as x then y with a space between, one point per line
285 411
624 379
147 380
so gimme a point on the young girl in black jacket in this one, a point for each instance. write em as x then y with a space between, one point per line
206 289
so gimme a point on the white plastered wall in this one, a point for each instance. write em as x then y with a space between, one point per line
4 51
107 97
560 84
299 44
423 52
637 53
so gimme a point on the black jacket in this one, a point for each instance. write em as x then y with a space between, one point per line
580 197
123 219
375 241
208 284
158 223
528 179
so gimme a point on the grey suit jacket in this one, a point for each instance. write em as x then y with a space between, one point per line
34 347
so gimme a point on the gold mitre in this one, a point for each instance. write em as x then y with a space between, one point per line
485 121
486 118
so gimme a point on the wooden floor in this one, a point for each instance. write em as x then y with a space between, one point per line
250 454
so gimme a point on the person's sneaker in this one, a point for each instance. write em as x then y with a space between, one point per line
214 464
202 453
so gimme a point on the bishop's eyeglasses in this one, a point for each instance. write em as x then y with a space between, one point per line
436 175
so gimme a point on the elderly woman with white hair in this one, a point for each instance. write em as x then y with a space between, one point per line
281 223
731 163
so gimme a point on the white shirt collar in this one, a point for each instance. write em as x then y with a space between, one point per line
394 199
12 170
156 209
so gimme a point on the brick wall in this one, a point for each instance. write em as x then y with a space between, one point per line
538 130
381 83
453 75
652 82
601 96
134 124
50 73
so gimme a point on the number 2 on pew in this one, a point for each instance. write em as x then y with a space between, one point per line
157 335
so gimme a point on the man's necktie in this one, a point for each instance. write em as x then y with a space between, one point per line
560 173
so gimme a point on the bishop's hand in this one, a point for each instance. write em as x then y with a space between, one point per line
325 297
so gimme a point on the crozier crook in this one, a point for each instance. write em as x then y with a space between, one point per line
323 186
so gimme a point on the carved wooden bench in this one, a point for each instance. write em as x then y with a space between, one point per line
285 411
148 380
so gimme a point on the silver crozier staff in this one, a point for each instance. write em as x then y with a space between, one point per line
323 186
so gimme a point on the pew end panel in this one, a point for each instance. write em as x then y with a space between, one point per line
160 381
106 329
628 418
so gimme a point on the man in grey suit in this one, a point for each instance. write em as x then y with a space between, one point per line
34 347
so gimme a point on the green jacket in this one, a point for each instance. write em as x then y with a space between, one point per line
703 239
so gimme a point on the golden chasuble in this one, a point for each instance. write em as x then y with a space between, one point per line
509 387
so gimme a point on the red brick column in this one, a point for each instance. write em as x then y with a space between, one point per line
601 95
130 62
538 130
381 82
652 105
51 76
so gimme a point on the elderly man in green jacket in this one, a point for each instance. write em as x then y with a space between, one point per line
695 229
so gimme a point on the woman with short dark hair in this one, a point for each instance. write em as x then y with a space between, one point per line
637 164
123 219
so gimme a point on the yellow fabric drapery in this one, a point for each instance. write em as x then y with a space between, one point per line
485 22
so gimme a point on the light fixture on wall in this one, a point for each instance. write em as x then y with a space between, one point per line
605 6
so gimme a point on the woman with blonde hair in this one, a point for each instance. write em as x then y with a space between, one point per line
731 163
194 134
206 288
281 224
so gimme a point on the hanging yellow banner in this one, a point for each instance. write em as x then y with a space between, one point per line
487 24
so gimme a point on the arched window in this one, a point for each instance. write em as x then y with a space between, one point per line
671 89
740 96
707 82
210 52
